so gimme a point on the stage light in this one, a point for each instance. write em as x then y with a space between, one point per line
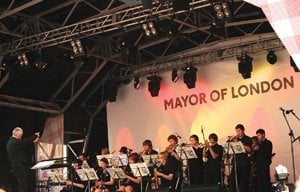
175 76
40 63
23 60
149 29
245 65
222 9
136 83
3 64
77 47
293 64
271 57
190 76
154 85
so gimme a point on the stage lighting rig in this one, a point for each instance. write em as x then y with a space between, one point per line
3 64
245 65
190 76
293 64
154 85
271 57
40 63
222 9
23 60
136 83
77 47
149 28
175 76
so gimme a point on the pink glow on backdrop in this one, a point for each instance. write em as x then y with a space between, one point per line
124 138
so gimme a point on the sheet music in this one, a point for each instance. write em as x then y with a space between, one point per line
116 173
150 160
87 174
237 146
119 160
85 165
189 152
56 177
139 169
109 158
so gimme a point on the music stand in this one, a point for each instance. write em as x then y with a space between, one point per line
116 173
87 175
109 158
186 153
140 170
120 160
150 160
233 148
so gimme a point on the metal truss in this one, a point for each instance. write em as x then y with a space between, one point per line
205 54
110 22
28 104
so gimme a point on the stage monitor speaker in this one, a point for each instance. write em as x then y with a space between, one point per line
201 188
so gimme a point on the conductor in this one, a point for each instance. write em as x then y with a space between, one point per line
16 150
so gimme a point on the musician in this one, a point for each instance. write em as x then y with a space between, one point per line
74 183
196 164
132 183
242 160
148 148
165 173
263 155
125 150
173 159
105 182
214 153
16 150
104 151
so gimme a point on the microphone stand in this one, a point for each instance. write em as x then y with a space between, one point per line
292 140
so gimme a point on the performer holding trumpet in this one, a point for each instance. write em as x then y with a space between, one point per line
214 152
196 164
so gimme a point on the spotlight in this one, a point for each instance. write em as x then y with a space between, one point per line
149 29
23 59
222 10
111 91
293 64
245 65
271 57
39 62
154 85
137 84
3 64
175 76
77 48
190 76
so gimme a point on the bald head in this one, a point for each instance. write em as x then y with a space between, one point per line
17 133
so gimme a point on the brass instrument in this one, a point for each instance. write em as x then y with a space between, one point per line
155 181
204 158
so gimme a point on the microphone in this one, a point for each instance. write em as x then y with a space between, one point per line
177 135
289 111
280 108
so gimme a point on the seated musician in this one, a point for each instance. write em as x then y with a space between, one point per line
74 184
131 183
148 148
105 182
165 173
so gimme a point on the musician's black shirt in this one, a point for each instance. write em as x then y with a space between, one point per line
213 166
104 176
167 169
243 159
264 153
196 167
